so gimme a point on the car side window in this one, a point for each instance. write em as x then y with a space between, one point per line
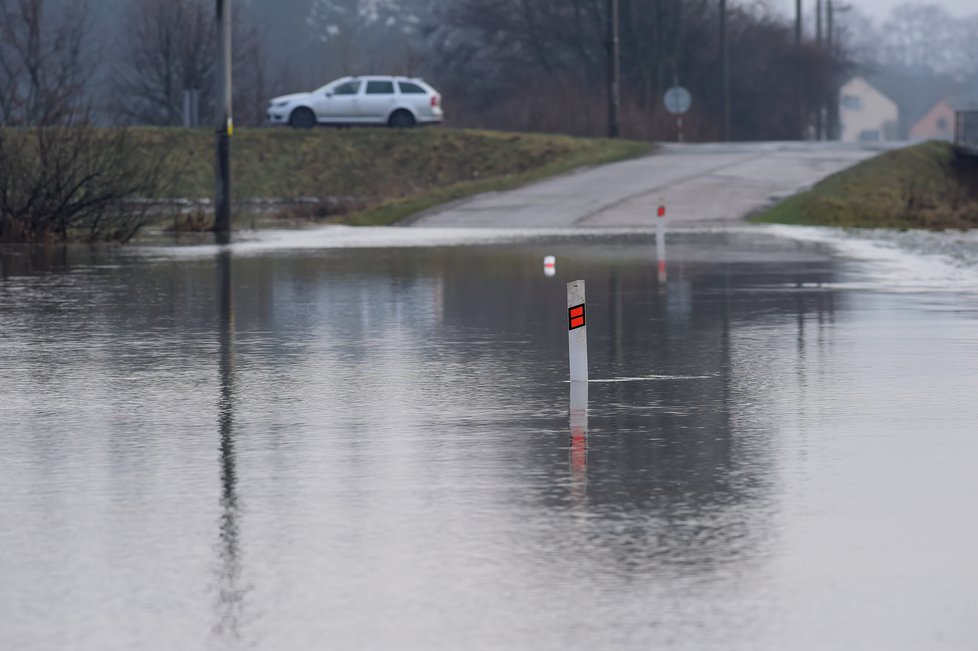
380 88
407 88
349 88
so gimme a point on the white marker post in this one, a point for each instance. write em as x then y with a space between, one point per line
550 266
660 243
577 331
577 347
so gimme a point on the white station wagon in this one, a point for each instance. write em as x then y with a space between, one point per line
394 101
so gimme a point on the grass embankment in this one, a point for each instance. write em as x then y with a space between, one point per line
373 176
924 186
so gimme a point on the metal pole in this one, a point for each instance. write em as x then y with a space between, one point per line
614 71
724 71
819 126
225 126
798 24
799 85
833 103
818 23
828 25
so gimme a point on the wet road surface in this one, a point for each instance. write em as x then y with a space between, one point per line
329 444
700 184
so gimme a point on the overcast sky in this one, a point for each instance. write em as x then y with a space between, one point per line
879 9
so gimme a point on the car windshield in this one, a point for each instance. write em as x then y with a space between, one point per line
331 86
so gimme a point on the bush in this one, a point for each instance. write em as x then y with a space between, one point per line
74 183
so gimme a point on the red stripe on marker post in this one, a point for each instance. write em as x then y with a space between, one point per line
576 317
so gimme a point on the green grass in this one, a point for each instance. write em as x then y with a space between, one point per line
924 186
380 175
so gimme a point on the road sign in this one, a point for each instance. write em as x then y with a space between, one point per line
677 100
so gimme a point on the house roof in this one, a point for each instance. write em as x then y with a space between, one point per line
865 81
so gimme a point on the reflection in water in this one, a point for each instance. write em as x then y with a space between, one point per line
230 591
427 495
27 260
578 439
665 451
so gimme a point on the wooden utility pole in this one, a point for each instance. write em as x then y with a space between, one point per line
614 71
724 72
225 125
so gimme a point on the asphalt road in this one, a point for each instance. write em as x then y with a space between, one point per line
698 183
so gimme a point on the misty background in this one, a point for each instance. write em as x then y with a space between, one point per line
505 64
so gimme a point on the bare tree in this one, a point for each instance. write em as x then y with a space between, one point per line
44 66
75 182
921 36
541 64
169 47
254 84
60 177
364 36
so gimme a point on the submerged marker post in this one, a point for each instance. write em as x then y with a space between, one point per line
660 242
577 347
578 433
577 331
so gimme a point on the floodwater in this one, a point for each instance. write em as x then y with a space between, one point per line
361 440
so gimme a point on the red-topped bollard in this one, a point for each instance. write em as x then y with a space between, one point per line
660 242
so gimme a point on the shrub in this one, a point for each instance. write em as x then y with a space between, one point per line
74 183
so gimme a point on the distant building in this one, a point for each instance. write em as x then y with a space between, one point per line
938 122
866 114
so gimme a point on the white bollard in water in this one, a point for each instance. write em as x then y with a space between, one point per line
550 266
660 242
577 331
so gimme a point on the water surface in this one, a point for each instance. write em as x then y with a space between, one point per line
363 442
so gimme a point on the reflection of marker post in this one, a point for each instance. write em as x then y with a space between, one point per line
577 331
578 431
660 242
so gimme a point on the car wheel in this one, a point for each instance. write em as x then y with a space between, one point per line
401 119
302 118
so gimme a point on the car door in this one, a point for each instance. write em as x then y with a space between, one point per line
377 100
416 97
340 103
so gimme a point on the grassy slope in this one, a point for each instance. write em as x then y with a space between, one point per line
388 174
924 186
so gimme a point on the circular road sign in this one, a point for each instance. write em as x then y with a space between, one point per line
677 100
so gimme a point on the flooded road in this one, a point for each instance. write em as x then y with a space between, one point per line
357 441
